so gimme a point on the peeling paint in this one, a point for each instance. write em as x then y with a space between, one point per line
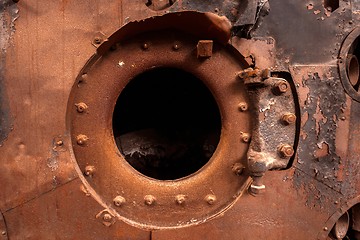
8 15
321 128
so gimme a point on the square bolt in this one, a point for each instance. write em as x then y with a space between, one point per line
204 48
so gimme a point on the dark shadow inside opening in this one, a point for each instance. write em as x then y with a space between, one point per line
166 123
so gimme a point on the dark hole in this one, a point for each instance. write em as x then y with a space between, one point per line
331 5
166 123
158 5
352 63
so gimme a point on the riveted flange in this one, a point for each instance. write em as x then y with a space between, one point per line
93 137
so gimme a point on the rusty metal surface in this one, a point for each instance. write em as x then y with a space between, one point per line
3 228
93 141
63 177
67 213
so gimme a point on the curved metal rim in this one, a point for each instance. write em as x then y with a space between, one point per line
198 180
342 64
336 215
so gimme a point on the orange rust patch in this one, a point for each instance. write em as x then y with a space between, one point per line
322 151
342 132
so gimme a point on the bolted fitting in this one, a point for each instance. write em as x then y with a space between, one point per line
119 201
245 137
238 169
280 87
288 118
210 199
243 106
81 107
285 150
180 199
81 139
89 170
149 200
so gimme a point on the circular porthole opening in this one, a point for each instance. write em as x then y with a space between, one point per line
352 64
166 123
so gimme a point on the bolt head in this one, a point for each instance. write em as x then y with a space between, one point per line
176 46
256 189
107 217
245 137
210 199
238 169
97 40
89 170
59 143
288 118
81 139
149 200
145 46
119 201
180 199
243 106
286 151
281 86
81 107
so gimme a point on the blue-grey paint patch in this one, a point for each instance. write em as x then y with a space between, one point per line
8 15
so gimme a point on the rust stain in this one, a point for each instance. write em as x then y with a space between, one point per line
322 151
343 130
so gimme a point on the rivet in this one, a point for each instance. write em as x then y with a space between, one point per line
243 106
59 143
81 139
285 150
84 76
3 233
180 199
81 107
97 40
176 46
119 200
107 217
149 200
343 118
89 170
325 228
281 86
238 169
145 46
288 118
245 137
210 199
